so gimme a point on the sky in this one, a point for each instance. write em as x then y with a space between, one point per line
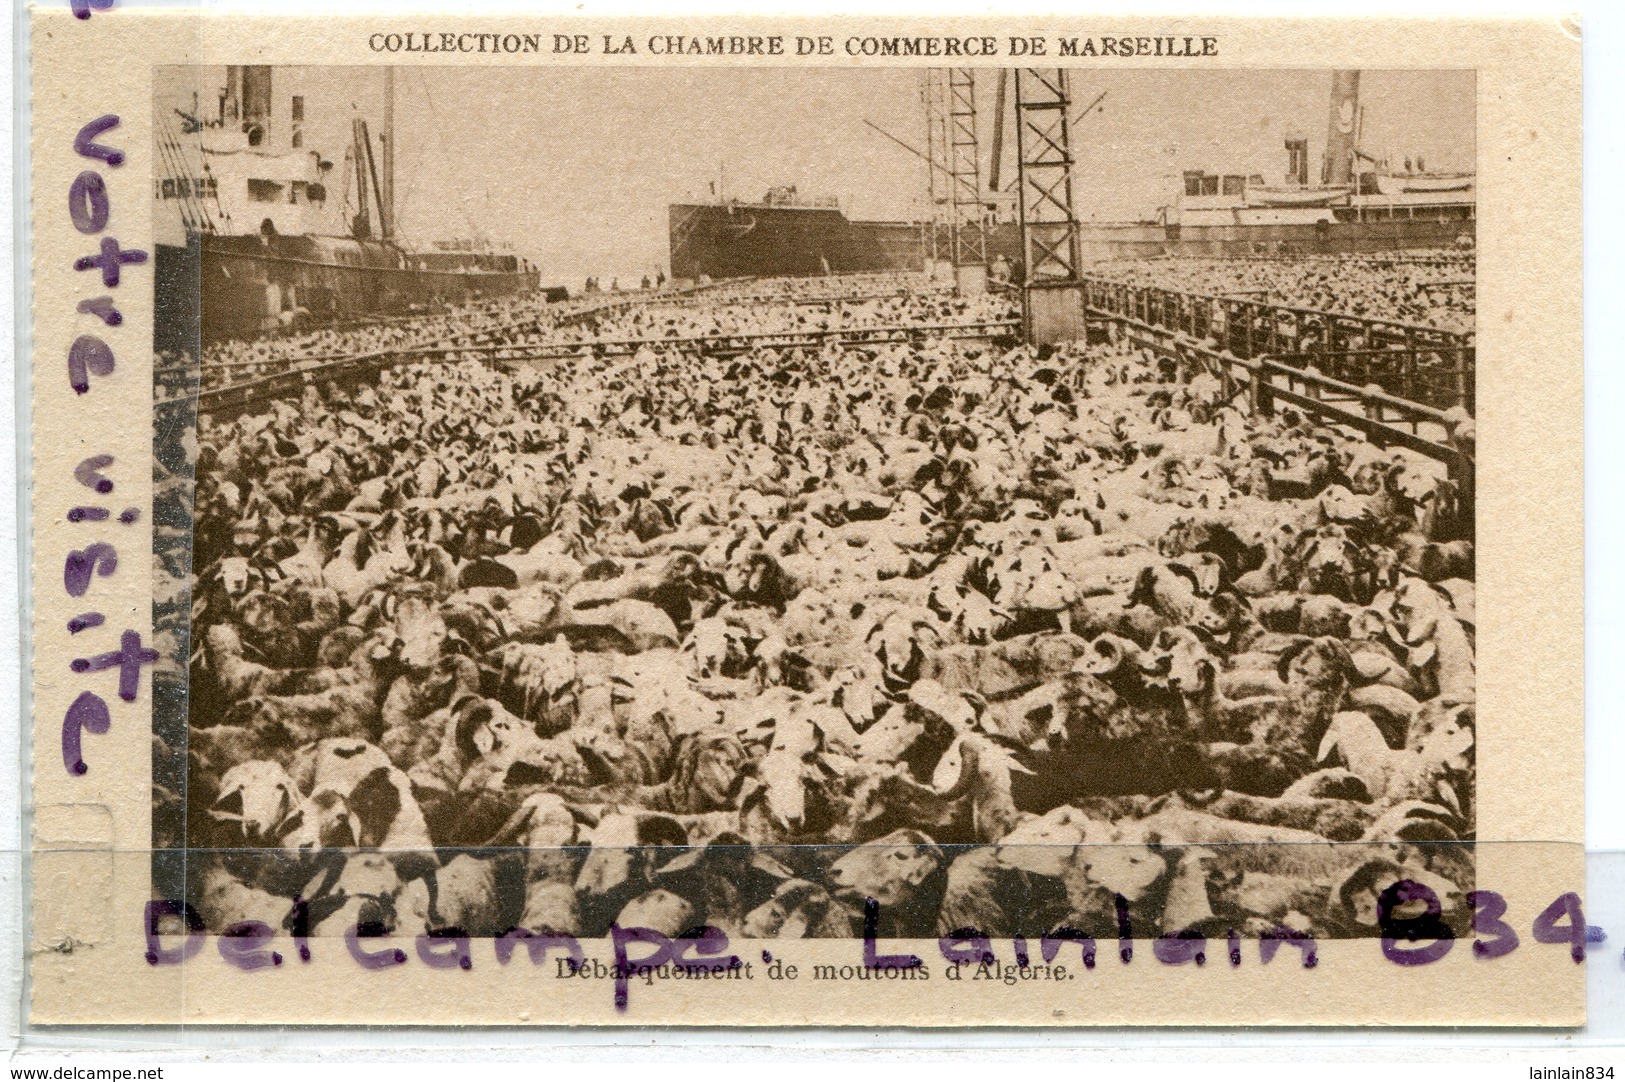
575 167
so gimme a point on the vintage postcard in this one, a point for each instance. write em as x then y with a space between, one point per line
715 521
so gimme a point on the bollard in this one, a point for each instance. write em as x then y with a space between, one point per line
1260 402
1373 407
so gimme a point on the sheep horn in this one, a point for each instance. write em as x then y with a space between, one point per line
968 757
509 830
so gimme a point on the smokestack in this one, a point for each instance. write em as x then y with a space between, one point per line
386 141
1341 129
256 84
1297 160
231 104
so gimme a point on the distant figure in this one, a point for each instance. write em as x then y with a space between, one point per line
614 285
646 282
660 279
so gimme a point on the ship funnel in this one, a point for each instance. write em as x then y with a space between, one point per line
1341 129
1297 160
248 102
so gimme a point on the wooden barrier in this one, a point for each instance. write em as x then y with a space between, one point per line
1387 420
1407 359
238 396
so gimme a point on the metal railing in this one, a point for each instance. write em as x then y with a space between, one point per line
1406 359
1441 378
219 400
726 344
1386 419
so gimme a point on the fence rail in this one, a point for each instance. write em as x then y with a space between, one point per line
1338 259
237 396
1430 366
1386 419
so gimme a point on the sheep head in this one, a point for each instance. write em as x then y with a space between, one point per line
259 797
1322 664
1107 655
890 869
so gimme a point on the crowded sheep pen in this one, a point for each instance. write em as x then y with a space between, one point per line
761 605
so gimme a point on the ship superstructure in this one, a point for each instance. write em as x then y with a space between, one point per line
1360 202
260 233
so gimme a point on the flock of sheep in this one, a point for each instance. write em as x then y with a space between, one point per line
530 321
999 638
1434 289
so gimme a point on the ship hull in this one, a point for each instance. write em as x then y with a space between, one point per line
249 286
750 241
733 241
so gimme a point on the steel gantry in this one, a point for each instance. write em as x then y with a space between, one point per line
965 178
939 242
1049 224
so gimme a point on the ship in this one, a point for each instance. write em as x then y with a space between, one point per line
1362 203
246 214
786 235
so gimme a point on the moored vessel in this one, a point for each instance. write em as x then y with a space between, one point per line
1362 203
253 240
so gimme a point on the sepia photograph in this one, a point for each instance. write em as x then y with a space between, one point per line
815 502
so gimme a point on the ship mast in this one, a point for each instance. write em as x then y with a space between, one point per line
1342 129
386 139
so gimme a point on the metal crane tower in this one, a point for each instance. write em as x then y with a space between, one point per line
1052 304
939 239
965 184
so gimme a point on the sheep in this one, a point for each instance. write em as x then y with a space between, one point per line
1094 863
984 897
1437 751
353 784
541 684
357 894
1329 817
1171 590
352 709
636 647
548 832
1189 670
1090 617
902 872
898 641
1440 652
725 880
225 900
545 828
978 768
409 716
1253 847
468 894
659 910
259 798
968 612
799 909
1237 635
621 862
714 646
485 748
1119 663
237 677
708 775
